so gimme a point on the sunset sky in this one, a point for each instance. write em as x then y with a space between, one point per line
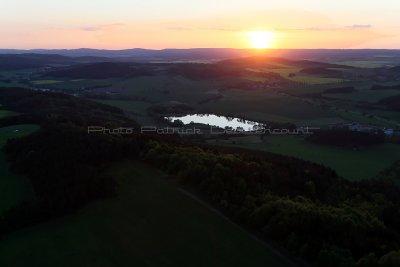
118 24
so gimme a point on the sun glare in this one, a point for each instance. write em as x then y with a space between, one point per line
261 39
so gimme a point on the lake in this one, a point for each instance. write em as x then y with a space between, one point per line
218 121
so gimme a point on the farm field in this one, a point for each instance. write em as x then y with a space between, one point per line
45 82
371 96
313 80
389 115
10 84
164 88
154 89
135 109
138 107
389 120
150 223
74 84
14 78
350 164
367 63
266 104
285 71
13 188
6 113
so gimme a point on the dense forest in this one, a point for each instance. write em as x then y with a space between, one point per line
102 70
392 102
340 90
346 138
47 107
385 87
31 61
322 71
301 206
205 71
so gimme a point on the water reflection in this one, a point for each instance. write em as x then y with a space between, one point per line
218 121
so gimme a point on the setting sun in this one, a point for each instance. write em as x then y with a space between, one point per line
261 39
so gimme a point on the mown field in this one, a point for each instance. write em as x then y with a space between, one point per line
368 63
13 188
6 113
351 164
135 109
45 82
371 96
150 223
372 117
14 78
286 70
264 105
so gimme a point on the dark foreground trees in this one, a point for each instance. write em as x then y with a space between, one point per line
346 138
66 168
301 206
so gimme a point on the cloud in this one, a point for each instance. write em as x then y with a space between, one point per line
178 28
360 26
332 28
204 29
102 27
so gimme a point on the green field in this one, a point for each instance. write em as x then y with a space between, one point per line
371 96
368 118
393 116
136 109
14 77
77 84
269 106
166 88
351 164
6 113
11 84
285 71
367 63
13 188
308 79
45 82
150 223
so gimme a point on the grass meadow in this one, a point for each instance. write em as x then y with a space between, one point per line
150 223
350 164
13 188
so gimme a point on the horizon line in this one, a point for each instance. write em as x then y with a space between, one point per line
196 48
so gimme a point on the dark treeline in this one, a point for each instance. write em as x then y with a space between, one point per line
221 70
392 173
31 61
45 107
66 169
301 206
385 87
392 102
103 70
346 138
340 90
322 71
205 71
64 165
